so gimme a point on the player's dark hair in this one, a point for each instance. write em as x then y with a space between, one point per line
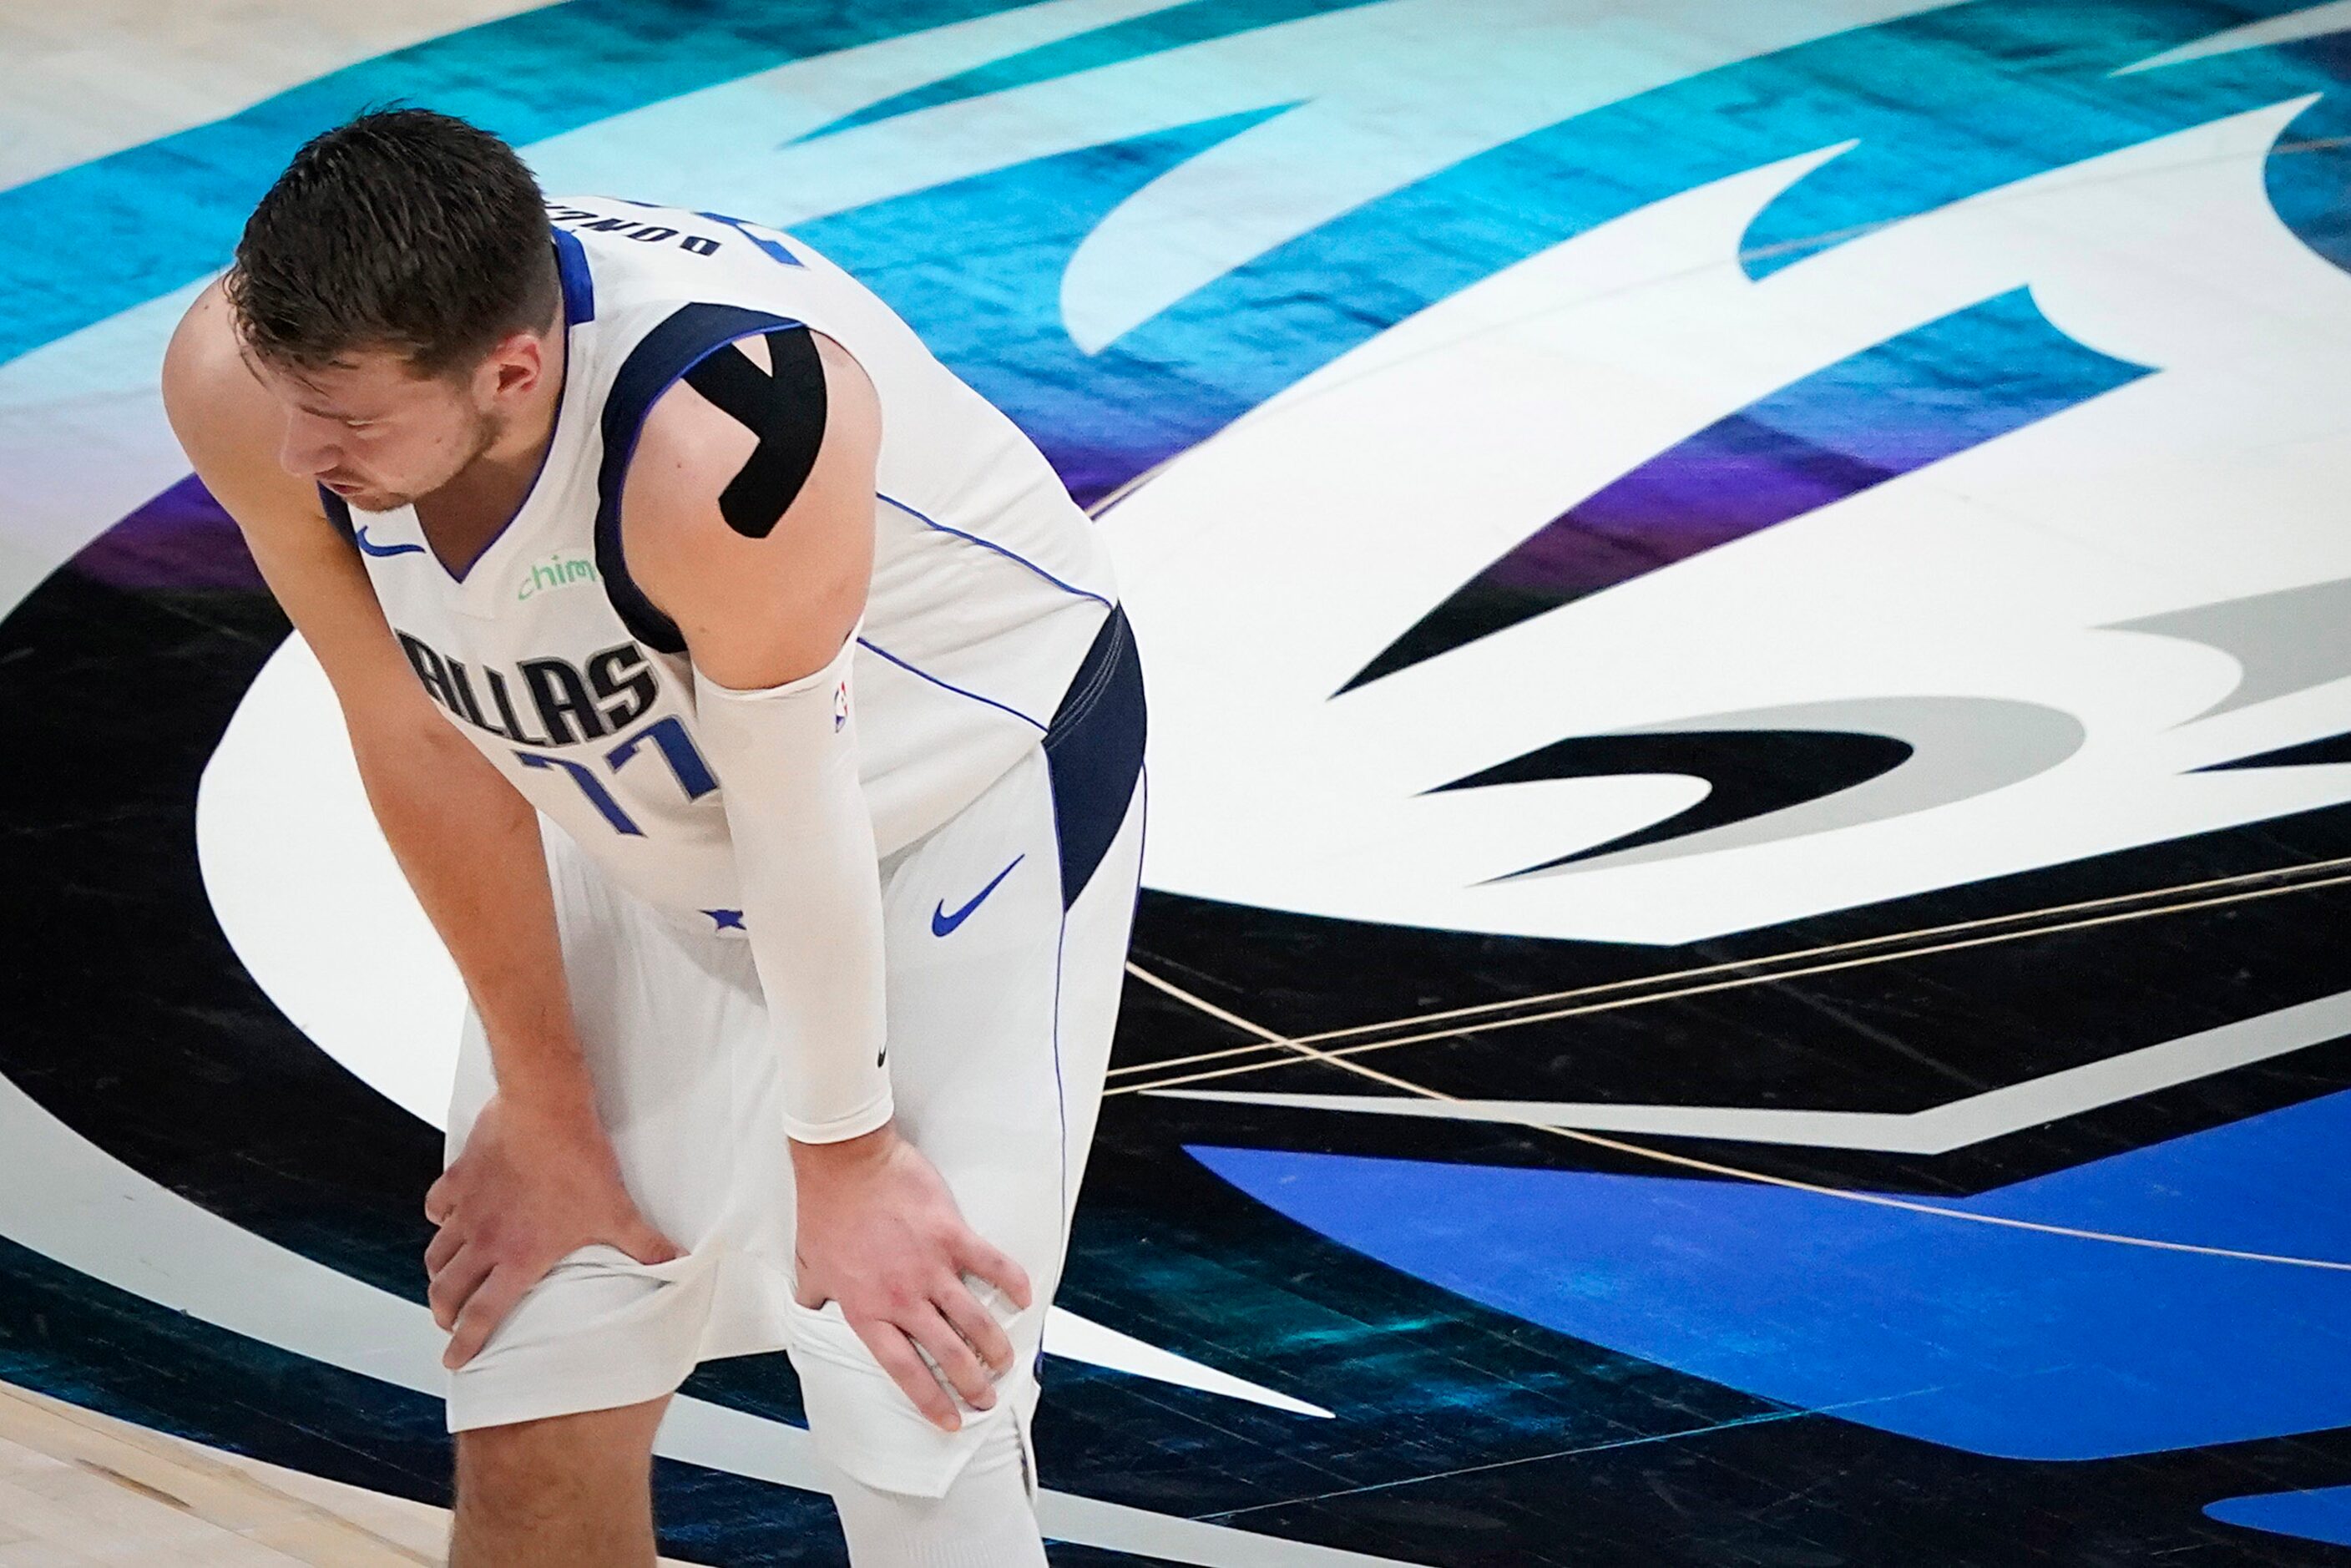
403 229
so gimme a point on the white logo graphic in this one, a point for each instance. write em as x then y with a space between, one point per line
2032 617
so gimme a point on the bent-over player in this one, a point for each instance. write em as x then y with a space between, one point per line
750 708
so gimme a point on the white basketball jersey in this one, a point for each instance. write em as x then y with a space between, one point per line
989 584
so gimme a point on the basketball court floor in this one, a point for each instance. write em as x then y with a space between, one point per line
1747 947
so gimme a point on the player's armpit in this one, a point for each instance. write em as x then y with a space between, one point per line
755 426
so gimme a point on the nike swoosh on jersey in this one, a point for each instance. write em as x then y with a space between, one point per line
942 923
368 548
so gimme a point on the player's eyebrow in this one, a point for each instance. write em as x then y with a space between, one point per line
311 406
252 366
343 415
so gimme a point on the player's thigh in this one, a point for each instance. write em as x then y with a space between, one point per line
1006 932
672 1032
973 929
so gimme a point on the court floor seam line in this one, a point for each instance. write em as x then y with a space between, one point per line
1714 1168
1759 1418
1485 1022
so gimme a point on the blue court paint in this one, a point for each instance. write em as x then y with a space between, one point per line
2308 173
1972 377
1177 378
2321 1515
120 230
126 229
2000 92
1101 420
2034 80
2014 1343
1135 39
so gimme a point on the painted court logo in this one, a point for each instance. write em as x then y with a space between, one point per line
1814 609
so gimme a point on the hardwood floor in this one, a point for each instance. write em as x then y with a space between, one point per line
79 1489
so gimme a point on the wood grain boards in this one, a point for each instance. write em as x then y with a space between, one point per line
79 1489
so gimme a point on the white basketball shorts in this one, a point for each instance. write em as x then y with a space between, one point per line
1004 936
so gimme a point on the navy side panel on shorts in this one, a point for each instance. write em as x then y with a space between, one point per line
1093 752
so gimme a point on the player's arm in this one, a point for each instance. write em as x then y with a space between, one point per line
748 517
467 841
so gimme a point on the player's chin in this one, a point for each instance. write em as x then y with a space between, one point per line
362 499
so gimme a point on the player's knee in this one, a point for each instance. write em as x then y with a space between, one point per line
514 1476
535 1472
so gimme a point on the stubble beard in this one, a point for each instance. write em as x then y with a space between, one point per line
487 429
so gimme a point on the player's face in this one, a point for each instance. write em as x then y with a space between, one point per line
378 435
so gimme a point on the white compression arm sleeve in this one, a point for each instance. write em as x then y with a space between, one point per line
786 758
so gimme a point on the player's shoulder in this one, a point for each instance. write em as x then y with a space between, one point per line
209 387
747 515
794 396
225 419
202 361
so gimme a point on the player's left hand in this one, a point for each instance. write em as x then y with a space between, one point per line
878 1232
533 1184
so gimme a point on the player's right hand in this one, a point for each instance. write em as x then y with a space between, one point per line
532 1183
877 1230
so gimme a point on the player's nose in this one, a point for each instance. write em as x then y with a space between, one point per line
309 448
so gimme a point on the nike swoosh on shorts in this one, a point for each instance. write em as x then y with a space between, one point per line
942 923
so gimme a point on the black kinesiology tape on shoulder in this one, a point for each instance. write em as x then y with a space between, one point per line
784 406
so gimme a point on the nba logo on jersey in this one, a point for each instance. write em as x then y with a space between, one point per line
840 707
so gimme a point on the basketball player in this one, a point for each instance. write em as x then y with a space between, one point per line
749 707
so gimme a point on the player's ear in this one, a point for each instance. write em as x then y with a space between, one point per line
513 365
